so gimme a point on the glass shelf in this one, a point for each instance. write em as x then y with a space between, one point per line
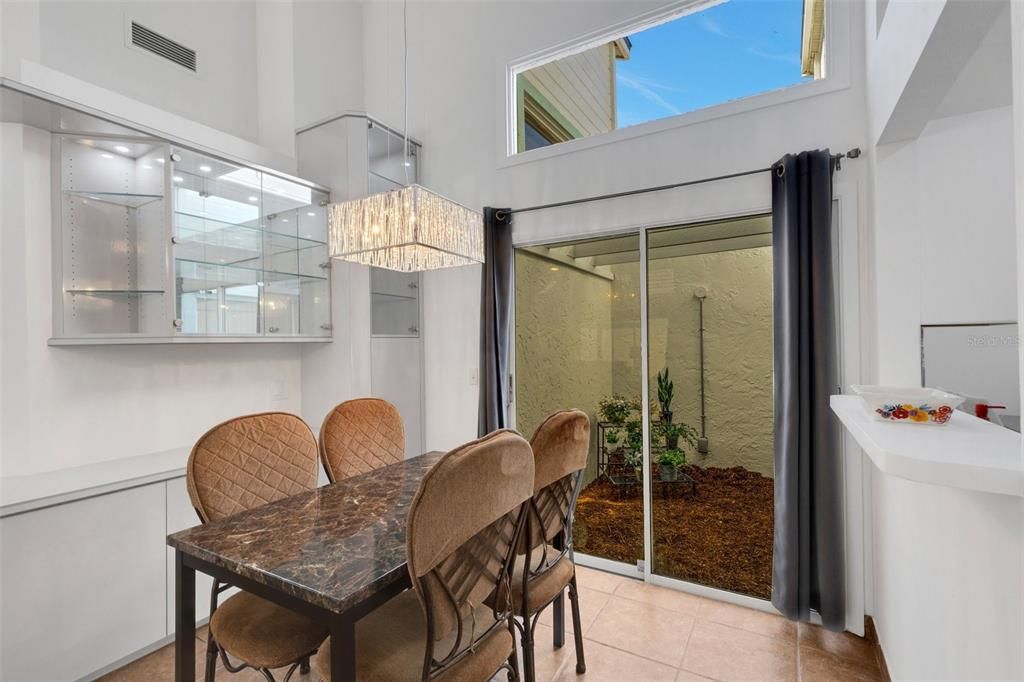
126 199
214 272
113 292
209 232
381 296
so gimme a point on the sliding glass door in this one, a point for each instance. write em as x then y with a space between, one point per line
709 340
688 452
577 344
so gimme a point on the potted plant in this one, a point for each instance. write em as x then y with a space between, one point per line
669 463
665 391
613 437
634 435
616 409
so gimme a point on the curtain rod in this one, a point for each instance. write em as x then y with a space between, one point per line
852 154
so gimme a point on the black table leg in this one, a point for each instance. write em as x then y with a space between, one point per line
184 620
343 648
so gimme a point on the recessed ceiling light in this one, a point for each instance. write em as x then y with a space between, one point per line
311 214
178 178
147 166
107 156
205 169
254 199
87 143
284 220
160 160
553 268
121 148
407 164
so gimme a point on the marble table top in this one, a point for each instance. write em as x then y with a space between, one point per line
332 547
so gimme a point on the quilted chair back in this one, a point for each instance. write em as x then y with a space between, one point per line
359 436
460 536
249 461
560 445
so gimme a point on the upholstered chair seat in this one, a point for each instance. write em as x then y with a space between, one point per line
544 587
263 634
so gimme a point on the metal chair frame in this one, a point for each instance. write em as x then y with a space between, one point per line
567 487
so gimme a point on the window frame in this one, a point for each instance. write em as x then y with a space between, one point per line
836 55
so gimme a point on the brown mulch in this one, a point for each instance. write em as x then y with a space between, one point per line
720 537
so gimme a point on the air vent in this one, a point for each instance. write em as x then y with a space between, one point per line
163 46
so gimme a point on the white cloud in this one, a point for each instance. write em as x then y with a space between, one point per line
713 27
776 56
647 88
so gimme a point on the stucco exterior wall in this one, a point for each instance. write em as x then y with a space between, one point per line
737 346
563 342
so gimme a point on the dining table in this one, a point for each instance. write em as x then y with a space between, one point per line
333 554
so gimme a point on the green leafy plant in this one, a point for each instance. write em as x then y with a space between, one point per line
672 457
633 459
634 435
616 409
665 392
613 437
671 433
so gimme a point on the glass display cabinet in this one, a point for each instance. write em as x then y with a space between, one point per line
250 251
156 243
111 249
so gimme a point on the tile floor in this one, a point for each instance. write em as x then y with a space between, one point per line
634 631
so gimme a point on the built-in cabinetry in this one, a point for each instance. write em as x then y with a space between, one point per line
158 243
85 569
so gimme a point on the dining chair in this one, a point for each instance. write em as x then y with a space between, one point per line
462 529
240 464
361 435
561 445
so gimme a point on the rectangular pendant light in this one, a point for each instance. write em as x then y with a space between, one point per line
409 229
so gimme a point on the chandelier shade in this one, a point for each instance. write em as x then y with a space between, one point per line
409 229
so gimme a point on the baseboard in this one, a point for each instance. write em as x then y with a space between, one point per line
871 634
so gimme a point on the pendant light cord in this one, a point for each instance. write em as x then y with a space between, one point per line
405 81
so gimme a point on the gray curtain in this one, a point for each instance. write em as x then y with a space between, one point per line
495 318
808 563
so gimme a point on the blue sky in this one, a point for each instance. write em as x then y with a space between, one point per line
732 50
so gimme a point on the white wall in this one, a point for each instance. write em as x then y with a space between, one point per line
944 232
329 59
240 48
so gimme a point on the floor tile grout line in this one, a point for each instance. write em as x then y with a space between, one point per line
686 644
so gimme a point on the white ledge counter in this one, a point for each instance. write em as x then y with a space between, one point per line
967 453
19 494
